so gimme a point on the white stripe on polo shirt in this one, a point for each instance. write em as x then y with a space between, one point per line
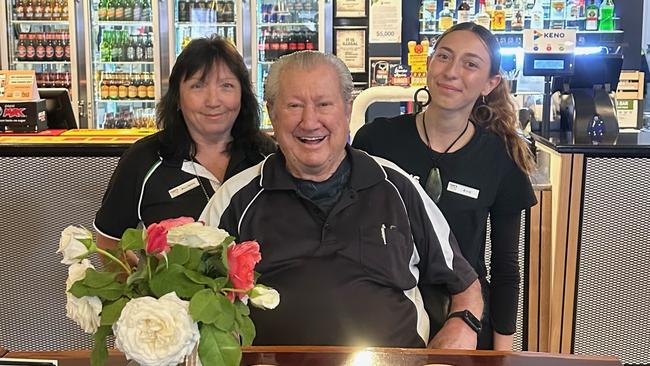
144 183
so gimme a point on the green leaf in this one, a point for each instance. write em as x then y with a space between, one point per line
224 258
111 292
218 348
227 241
196 277
212 266
195 259
132 239
246 330
88 243
96 279
242 309
137 276
209 307
100 353
111 312
220 282
203 306
179 254
173 279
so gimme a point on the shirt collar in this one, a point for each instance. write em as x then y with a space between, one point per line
365 171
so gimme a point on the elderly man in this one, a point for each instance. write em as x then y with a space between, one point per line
346 238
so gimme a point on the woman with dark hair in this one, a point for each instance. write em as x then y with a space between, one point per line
469 157
209 122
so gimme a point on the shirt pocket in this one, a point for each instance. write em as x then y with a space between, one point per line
386 254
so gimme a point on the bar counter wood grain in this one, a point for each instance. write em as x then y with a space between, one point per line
333 356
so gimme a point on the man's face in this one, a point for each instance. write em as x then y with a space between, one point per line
311 121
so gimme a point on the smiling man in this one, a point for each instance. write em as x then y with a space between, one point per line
346 238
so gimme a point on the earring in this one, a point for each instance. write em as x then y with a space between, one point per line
483 112
419 105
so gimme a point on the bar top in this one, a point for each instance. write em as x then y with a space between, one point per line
627 143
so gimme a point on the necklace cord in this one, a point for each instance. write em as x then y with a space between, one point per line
426 137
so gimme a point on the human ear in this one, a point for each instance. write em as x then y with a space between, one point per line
491 84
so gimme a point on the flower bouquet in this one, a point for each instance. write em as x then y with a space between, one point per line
188 292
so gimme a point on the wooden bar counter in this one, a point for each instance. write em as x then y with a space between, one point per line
334 356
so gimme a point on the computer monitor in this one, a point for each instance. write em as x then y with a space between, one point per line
58 108
592 70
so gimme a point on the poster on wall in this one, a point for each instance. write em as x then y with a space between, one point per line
351 48
385 21
350 8
380 67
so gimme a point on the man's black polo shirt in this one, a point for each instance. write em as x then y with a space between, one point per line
349 278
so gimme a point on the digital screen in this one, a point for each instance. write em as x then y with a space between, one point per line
548 64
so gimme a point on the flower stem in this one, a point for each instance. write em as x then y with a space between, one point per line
233 290
111 257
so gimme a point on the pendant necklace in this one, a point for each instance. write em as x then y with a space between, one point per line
433 185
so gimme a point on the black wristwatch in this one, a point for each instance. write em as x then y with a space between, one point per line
469 318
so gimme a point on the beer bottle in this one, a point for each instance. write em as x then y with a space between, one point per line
56 10
104 88
123 88
110 10
40 47
137 10
113 88
139 49
66 46
146 11
64 9
128 10
30 54
142 87
20 10
49 47
47 10
59 48
101 10
29 10
133 87
21 48
38 10
119 10
151 90
183 12
148 49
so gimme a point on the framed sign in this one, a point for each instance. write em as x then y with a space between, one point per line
385 21
351 48
350 9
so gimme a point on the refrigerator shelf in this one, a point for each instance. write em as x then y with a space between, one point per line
42 62
304 24
123 63
203 24
126 23
125 101
41 22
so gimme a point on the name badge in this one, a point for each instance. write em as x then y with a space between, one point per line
463 190
187 186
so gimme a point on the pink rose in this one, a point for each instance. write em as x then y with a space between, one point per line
171 223
156 240
241 263
157 234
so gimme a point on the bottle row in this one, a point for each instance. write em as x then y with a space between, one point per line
498 19
286 11
126 86
120 46
43 47
124 10
206 11
53 80
41 10
187 34
126 118
279 42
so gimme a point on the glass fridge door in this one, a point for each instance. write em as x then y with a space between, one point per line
122 77
203 18
39 39
282 27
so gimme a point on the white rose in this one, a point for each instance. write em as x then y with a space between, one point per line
196 235
156 332
264 297
70 245
85 310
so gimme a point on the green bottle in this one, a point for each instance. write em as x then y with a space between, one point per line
606 22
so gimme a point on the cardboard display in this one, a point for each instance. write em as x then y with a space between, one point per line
21 108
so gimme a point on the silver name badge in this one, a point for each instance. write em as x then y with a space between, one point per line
185 187
463 190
